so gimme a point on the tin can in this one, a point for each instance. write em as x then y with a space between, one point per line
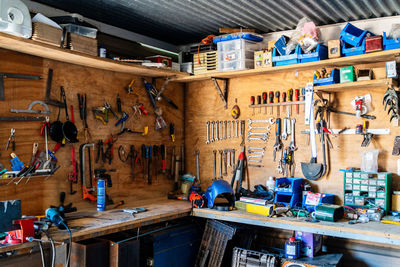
101 194
292 248
359 129
102 52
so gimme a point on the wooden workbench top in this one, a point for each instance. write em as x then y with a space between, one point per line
376 232
89 223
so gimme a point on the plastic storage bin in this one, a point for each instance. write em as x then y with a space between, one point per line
320 53
286 59
332 79
235 65
233 55
234 36
348 50
236 54
238 44
81 30
390 43
353 35
294 185
325 199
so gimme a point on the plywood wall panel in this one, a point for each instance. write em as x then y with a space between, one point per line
99 85
203 104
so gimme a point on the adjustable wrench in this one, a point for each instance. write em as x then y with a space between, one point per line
216 131
284 133
226 130
212 132
278 145
208 132
292 145
215 164
229 129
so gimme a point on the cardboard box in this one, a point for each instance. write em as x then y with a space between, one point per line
373 43
396 202
347 74
82 44
334 50
262 59
311 243
46 34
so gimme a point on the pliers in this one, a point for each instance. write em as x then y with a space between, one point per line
108 107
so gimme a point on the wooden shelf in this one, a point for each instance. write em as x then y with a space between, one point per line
278 104
381 56
340 87
34 48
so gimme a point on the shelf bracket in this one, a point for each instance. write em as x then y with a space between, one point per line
224 94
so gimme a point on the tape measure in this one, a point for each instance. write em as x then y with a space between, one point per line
235 112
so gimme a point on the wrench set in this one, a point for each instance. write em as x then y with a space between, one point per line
253 133
223 130
226 159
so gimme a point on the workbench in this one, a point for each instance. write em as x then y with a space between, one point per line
376 232
89 224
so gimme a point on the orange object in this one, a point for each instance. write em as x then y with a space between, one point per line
206 41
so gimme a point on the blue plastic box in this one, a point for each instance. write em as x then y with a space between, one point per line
325 199
348 50
280 45
320 53
353 35
286 59
294 188
390 43
234 36
332 79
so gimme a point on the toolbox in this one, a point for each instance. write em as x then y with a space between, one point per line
291 59
333 78
390 43
353 35
320 53
367 189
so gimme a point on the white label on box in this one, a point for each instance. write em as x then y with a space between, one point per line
356 181
372 182
356 193
372 188
364 188
356 187
349 180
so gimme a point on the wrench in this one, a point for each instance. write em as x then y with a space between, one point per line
279 168
215 164
256 148
292 145
233 129
197 154
259 127
226 129
212 132
208 132
216 130
258 139
225 163
250 132
228 153
221 130
284 133
278 145
233 159
288 126
229 129
220 162
237 128
255 160
255 156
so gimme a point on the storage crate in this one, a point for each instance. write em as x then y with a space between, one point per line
348 50
238 35
320 53
208 62
236 65
374 190
332 79
390 43
353 35
290 194
286 59
238 44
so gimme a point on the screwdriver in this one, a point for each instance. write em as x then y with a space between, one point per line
277 94
296 98
303 96
252 102
290 99
265 98
283 100
259 103
271 100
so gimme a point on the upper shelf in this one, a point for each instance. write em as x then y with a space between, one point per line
371 84
336 62
34 48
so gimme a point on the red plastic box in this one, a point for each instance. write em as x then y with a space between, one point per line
373 44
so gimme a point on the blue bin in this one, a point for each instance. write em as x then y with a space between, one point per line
390 43
325 199
353 35
246 36
286 59
332 79
294 188
320 53
348 50
293 200
280 45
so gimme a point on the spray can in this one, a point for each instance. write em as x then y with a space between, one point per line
101 194
292 248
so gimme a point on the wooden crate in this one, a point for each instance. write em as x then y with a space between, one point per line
90 252
82 44
208 62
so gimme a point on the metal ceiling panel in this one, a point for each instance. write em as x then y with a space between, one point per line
187 21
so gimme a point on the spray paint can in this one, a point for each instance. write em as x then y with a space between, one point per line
101 194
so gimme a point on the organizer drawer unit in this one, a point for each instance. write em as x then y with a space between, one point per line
208 62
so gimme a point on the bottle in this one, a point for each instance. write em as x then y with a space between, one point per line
101 194
292 248
271 183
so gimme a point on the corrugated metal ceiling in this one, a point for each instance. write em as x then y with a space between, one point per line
186 21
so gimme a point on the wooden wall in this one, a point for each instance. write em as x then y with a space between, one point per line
203 104
99 85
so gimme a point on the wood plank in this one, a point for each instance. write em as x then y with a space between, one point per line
34 48
381 56
358 85
371 232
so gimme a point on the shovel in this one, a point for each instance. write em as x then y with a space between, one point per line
312 170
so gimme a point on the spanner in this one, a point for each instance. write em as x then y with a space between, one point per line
270 121
259 127
278 144
292 145
221 130
208 132
215 163
229 129
216 130
233 129
288 126
237 129
212 132
256 156
220 162
284 133
279 168
233 159
225 163
226 129
257 139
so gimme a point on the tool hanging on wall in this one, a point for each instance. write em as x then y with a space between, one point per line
11 140
156 95
48 100
367 136
86 191
238 175
391 99
172 132
82 100
235 112
31 110
119 104
222 94
72 176
16 76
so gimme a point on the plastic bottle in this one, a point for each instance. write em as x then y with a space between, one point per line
271 183
292 248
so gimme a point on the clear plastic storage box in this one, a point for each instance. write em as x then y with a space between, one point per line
236 54
235 65
81 30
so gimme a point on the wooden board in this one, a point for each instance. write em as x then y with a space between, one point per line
100 85
34 48
336 62
203 104
380 84
371 232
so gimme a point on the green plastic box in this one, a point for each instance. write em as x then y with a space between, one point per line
347 74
